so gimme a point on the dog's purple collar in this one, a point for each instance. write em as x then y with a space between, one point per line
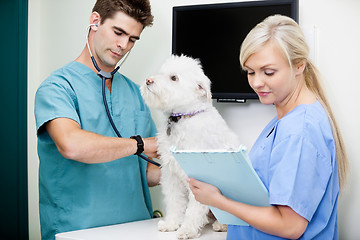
175 117
186 114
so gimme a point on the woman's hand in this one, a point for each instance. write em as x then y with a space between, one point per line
205 193
276 220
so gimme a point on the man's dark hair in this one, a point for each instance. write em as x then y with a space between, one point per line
140 10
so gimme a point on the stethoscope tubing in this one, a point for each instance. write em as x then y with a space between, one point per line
107 108
107 75
113 124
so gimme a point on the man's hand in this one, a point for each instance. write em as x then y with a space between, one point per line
150 147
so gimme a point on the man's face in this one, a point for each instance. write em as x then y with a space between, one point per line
115 37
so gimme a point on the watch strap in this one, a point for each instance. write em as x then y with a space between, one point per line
140 144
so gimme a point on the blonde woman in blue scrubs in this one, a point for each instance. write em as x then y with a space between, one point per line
88 177
300 154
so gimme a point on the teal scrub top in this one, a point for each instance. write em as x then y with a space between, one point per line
295 157
75 195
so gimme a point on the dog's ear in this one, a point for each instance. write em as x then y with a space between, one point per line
204 92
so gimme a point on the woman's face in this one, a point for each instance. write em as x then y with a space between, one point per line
270 75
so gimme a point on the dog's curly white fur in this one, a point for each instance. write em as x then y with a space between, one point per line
182 88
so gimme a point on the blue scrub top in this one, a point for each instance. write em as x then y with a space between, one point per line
75 195
295 158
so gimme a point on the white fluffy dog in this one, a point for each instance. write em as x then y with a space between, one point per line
182 92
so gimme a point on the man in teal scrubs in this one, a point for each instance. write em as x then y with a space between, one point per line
88 177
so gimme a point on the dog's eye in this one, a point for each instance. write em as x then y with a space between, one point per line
174 78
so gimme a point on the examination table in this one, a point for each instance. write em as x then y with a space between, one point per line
141 230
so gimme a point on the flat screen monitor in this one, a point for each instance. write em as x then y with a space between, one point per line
213 33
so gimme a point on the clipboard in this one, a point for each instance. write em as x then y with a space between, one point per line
231 172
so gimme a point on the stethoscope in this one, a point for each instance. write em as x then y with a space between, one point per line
109 75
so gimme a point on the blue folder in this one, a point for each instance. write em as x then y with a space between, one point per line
231 172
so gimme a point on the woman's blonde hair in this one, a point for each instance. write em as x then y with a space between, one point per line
286 33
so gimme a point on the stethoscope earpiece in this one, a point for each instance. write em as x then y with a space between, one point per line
93 24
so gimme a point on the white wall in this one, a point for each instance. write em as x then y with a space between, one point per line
57 35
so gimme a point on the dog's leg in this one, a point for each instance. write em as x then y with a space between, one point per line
195 219
219 227
216 225
175 199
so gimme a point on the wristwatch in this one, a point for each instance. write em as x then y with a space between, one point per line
140 144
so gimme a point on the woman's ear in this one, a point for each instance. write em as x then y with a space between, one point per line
300 67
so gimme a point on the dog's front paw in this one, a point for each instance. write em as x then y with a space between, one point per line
219 227
168 226
187 233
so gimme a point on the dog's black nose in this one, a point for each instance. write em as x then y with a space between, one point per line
149 81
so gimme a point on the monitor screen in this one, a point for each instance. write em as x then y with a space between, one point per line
213 33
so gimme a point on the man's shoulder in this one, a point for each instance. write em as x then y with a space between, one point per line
71 68
65 74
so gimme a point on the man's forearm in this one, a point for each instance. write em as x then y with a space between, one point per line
88 147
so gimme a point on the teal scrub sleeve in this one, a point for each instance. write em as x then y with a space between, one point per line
54 100
300 176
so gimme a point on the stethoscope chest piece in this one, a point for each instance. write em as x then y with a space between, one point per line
104 74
